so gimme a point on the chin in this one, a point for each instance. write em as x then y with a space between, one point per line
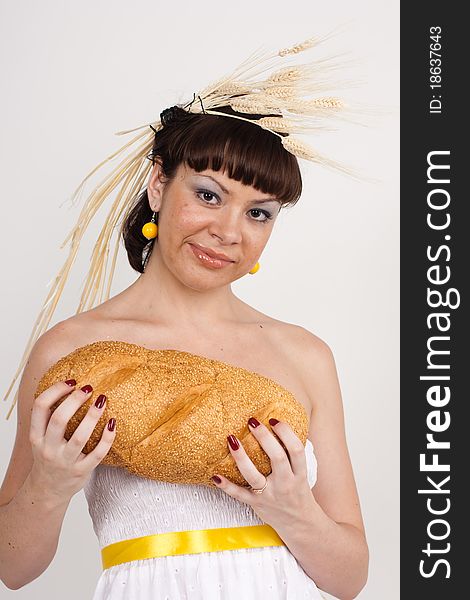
203 282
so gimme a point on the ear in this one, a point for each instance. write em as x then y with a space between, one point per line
156 186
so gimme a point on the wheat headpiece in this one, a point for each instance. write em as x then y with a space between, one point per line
265 84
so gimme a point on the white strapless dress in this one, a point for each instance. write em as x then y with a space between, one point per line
124 506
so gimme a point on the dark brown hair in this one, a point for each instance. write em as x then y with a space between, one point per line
246 152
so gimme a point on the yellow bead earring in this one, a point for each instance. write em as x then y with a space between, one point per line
150 229
254 269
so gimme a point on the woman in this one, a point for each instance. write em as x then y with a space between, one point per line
215 190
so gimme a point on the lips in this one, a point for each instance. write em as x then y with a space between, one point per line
211 253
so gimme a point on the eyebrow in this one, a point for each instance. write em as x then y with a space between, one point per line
261 200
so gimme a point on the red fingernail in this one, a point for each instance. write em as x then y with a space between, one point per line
87 388
100 401
253 422
71 382
273 421
216 478
111 424
232 440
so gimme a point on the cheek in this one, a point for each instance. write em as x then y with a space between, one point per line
185 217
258 235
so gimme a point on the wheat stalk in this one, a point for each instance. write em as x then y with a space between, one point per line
276 124
286 75
314 106
303 150
281 91
254 105
305 45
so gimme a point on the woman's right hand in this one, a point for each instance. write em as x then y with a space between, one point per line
60 468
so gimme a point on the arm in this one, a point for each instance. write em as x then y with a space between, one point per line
30 525
329 540
45 470
30 522
333 554
322 526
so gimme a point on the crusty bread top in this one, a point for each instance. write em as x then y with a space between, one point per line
174 409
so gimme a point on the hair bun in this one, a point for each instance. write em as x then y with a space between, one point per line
170 115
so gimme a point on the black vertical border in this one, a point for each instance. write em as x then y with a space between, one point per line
421 133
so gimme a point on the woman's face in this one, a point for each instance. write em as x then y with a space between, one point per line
210 211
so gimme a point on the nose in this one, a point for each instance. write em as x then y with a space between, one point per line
226 225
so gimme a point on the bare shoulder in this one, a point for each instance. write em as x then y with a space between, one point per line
49 348
335 488
312 355
56 339
319 376
306 341
316 359
64 337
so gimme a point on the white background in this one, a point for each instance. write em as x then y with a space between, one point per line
73 74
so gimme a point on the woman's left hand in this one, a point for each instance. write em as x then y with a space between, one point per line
287 496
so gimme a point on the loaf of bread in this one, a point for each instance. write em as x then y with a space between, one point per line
174 409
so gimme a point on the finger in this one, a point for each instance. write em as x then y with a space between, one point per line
93 458
236 491
244 463
64 412
293 444
41 409
279 460
82 433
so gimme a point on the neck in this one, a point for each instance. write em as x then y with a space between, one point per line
161 297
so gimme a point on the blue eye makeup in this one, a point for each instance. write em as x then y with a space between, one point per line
202 195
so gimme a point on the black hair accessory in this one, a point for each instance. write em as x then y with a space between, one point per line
189 104
169 115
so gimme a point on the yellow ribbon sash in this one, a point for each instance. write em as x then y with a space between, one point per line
189 542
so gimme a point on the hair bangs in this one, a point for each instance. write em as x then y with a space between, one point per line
244 152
